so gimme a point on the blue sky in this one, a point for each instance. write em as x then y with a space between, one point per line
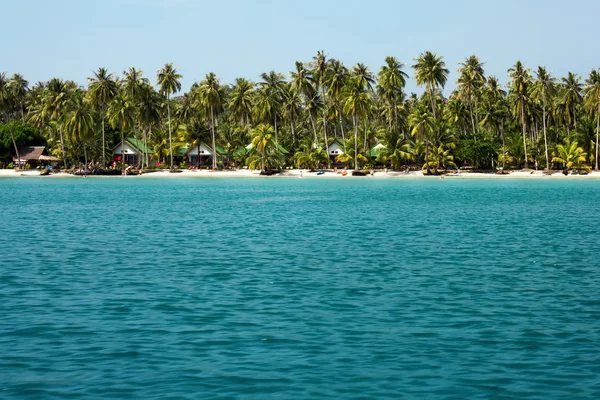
71 38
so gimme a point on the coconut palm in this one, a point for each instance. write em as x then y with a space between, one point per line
422 125
570 155
121 113
212 97
102 88
571 98
431 71
520 91
471 80
56 101
168 80
262 141
540 89
391 83
80 122
336 82
310 156
356 104
321 69
291 107
592 101
6 104
495 111
19 87
241 100
149 106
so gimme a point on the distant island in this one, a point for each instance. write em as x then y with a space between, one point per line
321 116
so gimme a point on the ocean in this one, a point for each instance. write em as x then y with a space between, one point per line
272 288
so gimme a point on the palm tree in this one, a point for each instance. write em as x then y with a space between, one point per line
133 83
6 105
422 125
149 112
262 141
321 69
169 82
337 79
470 81
56 101
571 98
520 82
291 107
495 111
212 97
392 81
310 156
431 71
80 122
570 154
356 103
121 113
302 82
592 101
102 89
272 84
540 89
241 100
19 87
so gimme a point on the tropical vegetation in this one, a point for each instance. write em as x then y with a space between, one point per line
536 120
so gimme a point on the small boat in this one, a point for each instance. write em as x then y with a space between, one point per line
320 172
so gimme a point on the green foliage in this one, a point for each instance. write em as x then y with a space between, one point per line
479 153
25 135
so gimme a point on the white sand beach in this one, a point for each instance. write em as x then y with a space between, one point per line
296 173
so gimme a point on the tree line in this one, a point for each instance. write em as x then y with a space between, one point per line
536 120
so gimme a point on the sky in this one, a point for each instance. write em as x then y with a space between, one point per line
69 39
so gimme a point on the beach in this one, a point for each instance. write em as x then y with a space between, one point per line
297 173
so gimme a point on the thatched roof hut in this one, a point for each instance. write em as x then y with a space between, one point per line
34 153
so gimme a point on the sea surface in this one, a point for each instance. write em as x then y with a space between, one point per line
272 288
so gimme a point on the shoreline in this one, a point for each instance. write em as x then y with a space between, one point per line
295 173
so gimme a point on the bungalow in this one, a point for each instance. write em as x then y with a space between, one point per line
134 151
375 150
34 155
335 148
202 152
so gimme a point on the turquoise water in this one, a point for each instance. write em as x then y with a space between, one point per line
299 288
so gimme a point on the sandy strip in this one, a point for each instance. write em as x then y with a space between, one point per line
244 173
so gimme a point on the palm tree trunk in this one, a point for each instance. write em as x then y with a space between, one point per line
341 124
312 122
597 130
212 131
62 146
262 160
293 131
503 146
103 140
170 139
472 119
355 140
275 125
147 137
524 132
426 153
325 121
12 136
123 151
85 155
432 102
545 136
